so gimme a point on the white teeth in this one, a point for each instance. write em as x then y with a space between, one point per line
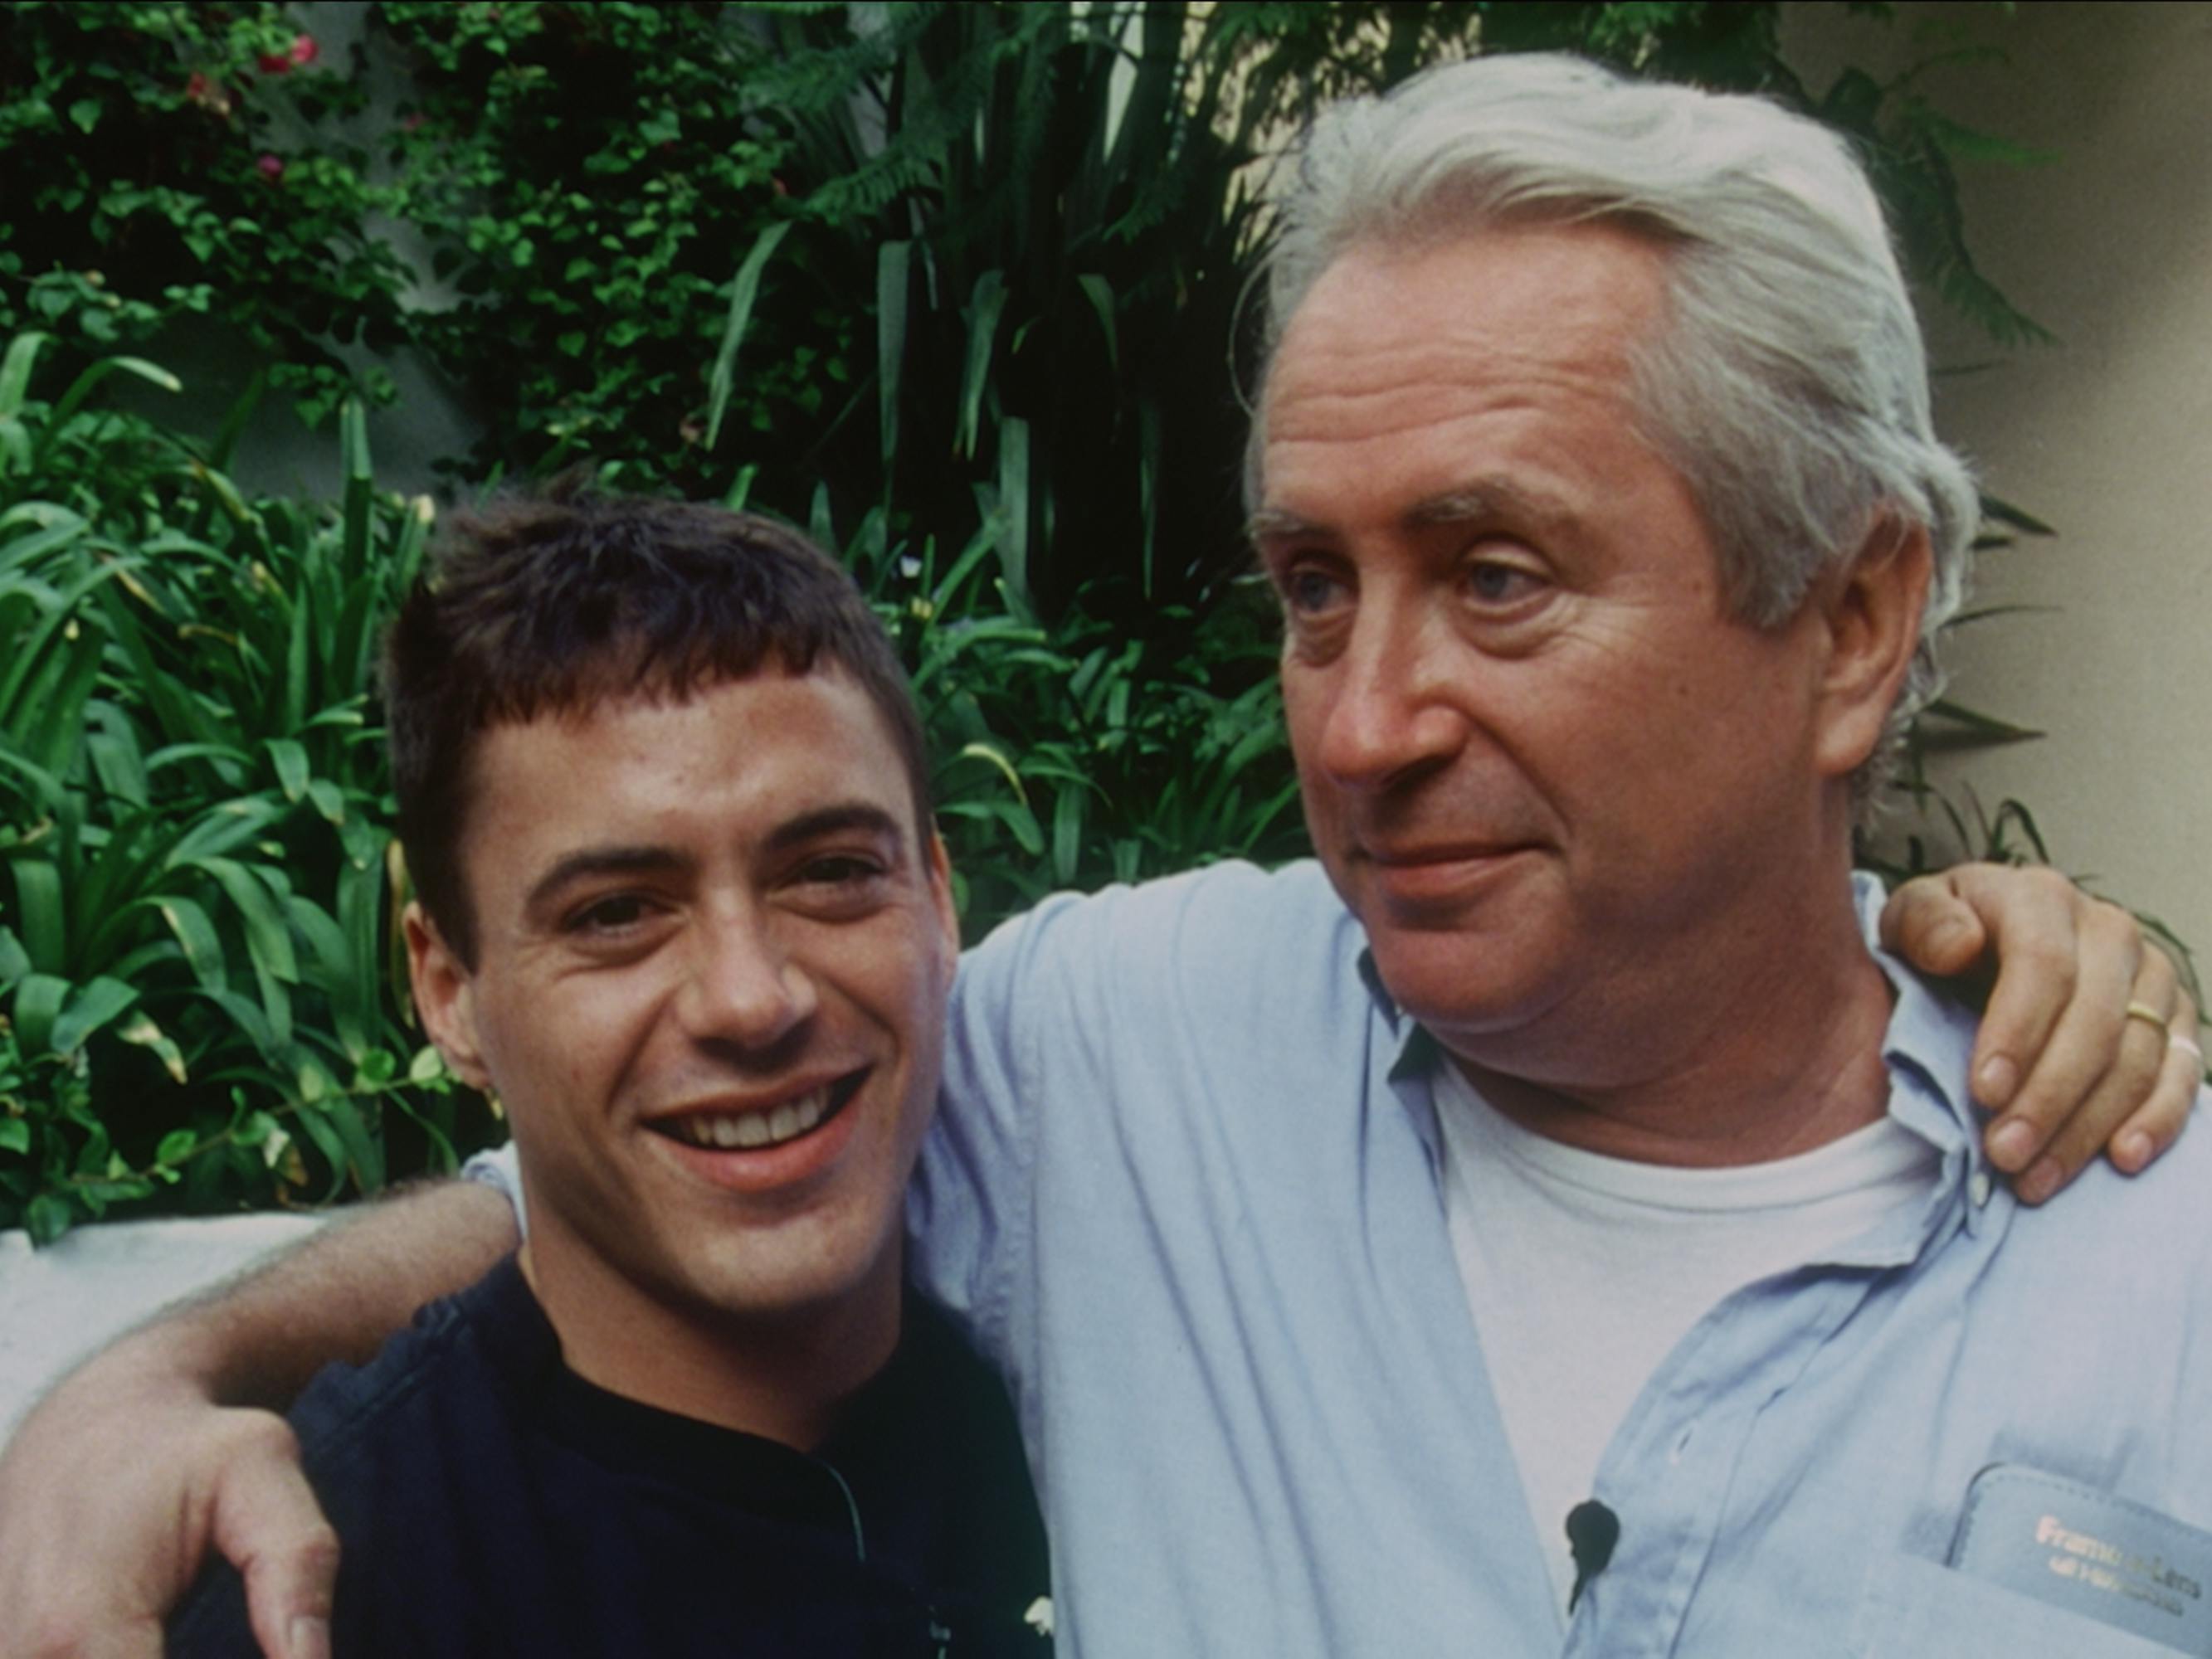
753 1130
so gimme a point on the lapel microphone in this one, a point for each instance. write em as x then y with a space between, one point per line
1592 1531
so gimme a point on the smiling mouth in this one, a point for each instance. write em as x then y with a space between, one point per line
760 1129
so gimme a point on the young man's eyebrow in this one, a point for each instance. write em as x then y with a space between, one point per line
594 861
843 818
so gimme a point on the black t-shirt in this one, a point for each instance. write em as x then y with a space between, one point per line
488 1501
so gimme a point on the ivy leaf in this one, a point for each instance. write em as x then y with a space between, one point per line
86 114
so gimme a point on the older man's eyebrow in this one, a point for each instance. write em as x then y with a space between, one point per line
1276 523
1491 501
592 863
1488 501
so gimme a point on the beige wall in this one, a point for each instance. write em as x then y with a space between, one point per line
2107 436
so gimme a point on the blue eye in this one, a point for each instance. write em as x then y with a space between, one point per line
1492 583
1307 589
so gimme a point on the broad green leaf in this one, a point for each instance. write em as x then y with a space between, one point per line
292 768
984 751
24 551
329 799
892 261
42 911
982 314
15 1135
38 1002
92 1007
1013 528
360 480
268 939
427 1066
1068 813
15 960
82 387
743 289
46 1218
202 946
140 1030
16 369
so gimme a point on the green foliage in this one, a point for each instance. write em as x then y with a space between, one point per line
155 173
194 927
961 287
587 179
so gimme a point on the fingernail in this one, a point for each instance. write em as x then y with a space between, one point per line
2011 1144
1997 1080
2133 1152
308 1637
2039 1182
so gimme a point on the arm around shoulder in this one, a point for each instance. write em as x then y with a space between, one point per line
166 1443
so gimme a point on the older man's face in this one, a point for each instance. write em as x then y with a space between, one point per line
1540 761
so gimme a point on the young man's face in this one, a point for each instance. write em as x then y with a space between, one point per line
714 950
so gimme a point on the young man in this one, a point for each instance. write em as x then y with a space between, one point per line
681 909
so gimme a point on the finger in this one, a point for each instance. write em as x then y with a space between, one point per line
2064 962
267 1522
1931 927
2114 1102
2151 1131
2158 1123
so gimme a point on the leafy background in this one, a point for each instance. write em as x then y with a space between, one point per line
959 288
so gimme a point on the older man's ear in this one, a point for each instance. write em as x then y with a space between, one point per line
1869 610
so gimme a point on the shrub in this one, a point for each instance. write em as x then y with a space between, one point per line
195 949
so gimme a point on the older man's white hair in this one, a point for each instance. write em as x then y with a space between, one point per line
1790 384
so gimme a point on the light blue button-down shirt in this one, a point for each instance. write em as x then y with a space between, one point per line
1185 1188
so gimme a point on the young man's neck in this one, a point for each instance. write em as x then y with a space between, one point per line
783 1377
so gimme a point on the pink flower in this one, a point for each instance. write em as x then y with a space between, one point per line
270 167
303 50
210 97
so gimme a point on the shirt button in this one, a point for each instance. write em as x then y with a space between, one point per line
1978 1188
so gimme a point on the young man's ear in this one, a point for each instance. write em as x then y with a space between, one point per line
445 997
1872 610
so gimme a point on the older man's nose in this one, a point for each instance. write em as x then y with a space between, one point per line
745 988
1390 714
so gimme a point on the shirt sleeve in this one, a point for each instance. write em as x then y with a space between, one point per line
969 1206
500 1171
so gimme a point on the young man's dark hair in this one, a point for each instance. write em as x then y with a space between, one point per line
552 605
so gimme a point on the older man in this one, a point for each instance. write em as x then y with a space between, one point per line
1557 1140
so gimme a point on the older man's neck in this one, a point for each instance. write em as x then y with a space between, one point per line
1764 1064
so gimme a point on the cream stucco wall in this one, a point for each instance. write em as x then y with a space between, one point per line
2107 435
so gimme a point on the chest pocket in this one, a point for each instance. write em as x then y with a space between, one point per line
1913 1607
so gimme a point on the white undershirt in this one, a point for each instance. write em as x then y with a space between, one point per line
1584 1271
